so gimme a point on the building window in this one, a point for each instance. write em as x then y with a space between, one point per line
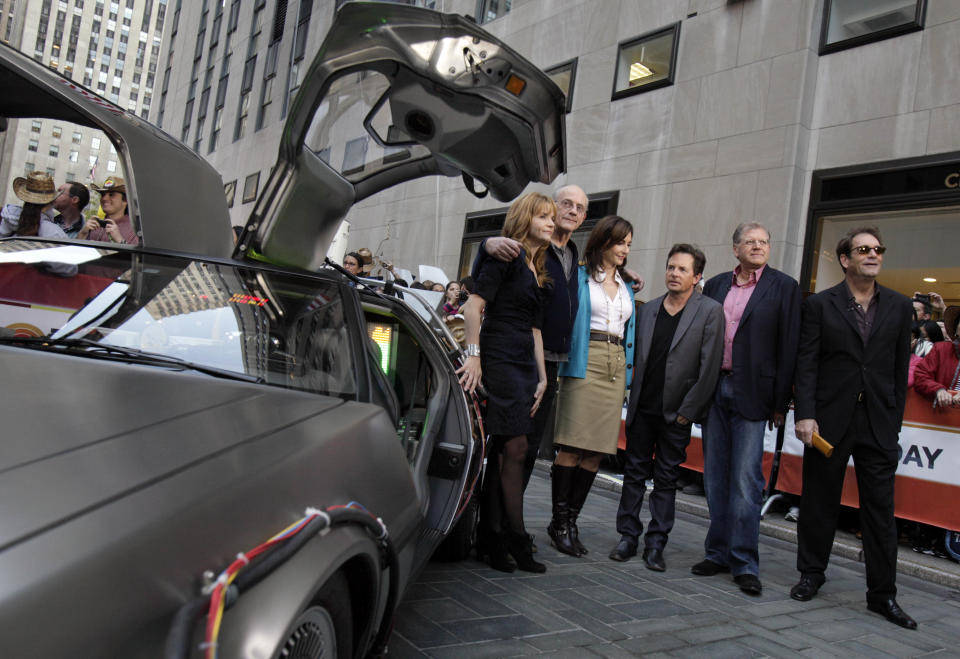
111 166
94 142
199 139
29 167
488 10
218 111
230 191
77 137
54 151
33 145
57 131
849 23
266 98
35 126
564 75
646 62
354 155
242 115
250 185
234 15
74 155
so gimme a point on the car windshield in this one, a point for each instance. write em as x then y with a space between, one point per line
284 329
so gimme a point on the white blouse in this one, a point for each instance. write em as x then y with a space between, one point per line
608 315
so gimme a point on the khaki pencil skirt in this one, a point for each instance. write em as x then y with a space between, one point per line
589 408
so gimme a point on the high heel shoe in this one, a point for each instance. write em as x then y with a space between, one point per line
495 554
518 544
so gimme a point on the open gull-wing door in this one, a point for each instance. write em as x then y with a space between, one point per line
396 93
157 168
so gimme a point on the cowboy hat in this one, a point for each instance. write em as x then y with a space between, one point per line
112 184
36 188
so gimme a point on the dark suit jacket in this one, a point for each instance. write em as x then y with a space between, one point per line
765 345
693 364
834 366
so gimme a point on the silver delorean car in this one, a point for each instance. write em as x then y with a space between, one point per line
239 450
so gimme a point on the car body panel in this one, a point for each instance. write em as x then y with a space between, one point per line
176 198
124 482
127 556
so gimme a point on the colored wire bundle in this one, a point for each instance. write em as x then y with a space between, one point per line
250 567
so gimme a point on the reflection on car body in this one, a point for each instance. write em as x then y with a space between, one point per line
172 404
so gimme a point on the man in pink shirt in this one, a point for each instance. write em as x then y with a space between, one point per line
761 307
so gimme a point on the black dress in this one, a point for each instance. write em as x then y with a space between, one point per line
514 305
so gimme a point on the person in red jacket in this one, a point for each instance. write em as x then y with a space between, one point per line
937 376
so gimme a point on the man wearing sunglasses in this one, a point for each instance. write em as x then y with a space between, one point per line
851 385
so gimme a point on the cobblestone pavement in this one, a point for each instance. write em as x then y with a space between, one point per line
592 606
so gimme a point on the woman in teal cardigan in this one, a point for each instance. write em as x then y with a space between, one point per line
594 380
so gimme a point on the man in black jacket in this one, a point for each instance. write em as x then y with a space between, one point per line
761 308
851 387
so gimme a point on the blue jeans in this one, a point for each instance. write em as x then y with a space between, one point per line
733 480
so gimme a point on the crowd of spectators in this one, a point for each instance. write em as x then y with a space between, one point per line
57 212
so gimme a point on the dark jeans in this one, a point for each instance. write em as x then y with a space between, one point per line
875 467
655 449
733 480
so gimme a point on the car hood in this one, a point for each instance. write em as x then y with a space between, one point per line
397 93
107 431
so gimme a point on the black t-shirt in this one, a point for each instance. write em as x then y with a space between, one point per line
654 375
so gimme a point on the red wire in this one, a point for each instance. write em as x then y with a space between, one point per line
483 454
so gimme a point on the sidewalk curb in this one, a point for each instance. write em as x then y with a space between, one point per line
928 568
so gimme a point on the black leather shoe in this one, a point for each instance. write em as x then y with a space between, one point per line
624 551
805 589
653 558
749 583
890 610
707 568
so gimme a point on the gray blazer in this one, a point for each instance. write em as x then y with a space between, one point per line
693 364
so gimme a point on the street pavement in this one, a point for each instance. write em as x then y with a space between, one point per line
592 606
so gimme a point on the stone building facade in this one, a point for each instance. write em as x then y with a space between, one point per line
806 115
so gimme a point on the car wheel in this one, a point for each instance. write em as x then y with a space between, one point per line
325 629
462 537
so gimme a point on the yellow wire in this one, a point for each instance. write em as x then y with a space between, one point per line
218 618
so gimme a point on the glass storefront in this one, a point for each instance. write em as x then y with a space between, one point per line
915 204
921 253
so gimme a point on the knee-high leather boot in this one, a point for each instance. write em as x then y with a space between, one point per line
561 479
580 486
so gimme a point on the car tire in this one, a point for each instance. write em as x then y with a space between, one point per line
324 630
462 537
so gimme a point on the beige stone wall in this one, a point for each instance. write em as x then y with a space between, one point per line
754 111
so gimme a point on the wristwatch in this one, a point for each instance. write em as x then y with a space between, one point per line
473 350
